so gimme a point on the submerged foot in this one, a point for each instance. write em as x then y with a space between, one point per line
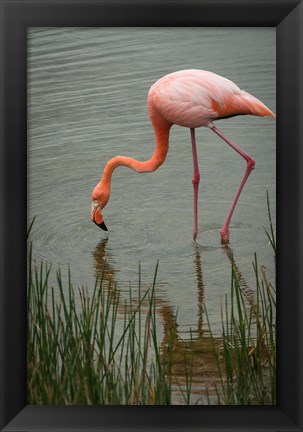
224 237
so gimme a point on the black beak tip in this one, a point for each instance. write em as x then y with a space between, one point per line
101 225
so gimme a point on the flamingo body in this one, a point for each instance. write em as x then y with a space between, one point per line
195 98
190 98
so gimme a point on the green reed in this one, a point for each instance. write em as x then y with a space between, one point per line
249 339
77 354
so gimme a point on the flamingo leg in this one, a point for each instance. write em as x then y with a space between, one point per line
249 167
195 180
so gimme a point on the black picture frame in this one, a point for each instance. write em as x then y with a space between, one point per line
16 17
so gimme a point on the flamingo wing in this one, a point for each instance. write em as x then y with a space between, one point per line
194 98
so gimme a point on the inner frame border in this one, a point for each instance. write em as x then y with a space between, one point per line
16 17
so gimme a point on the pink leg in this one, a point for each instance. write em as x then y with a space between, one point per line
250 166
195 181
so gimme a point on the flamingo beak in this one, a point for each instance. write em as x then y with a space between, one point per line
96 216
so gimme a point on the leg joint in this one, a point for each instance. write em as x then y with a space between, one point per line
251 164
196 179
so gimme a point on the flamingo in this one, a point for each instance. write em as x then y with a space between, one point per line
190 98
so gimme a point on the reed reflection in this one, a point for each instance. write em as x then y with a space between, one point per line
193 353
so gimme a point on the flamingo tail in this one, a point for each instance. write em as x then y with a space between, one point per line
254 106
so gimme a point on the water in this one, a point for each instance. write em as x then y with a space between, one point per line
87 90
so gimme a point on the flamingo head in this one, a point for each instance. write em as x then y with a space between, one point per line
97 216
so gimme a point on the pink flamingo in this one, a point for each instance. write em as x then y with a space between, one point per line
190 98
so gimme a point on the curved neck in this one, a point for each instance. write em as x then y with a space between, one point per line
157 159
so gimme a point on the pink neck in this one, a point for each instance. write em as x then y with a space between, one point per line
159 156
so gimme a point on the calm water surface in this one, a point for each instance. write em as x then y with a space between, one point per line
87 90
